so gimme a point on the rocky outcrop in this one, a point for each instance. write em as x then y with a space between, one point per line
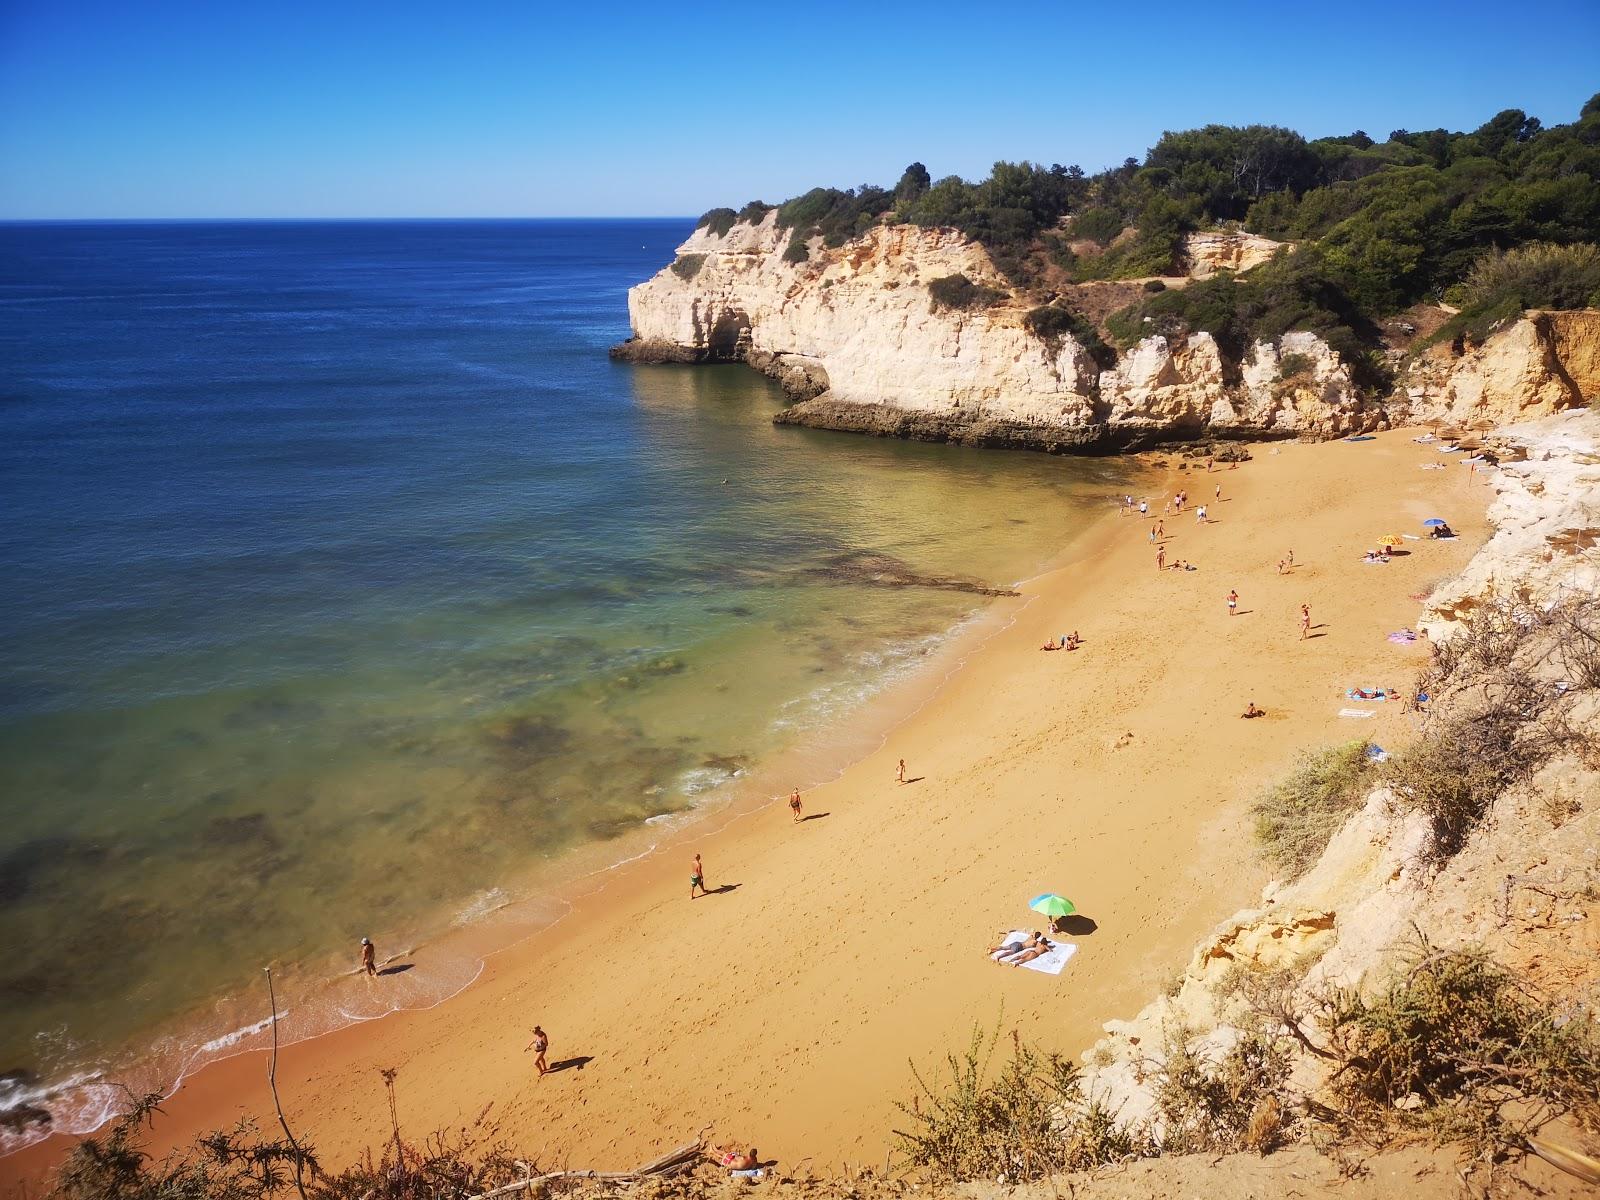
1546 515
855 339
1544 363
1204 254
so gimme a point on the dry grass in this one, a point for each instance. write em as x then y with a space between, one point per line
1024 1121
1296 818
1460 1047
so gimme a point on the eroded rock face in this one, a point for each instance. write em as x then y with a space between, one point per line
1545 363
1546 515
854 338
1204 254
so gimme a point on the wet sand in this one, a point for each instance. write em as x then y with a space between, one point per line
787 1007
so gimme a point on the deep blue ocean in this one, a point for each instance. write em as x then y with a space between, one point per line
349 588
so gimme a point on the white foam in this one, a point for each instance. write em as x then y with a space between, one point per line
229 1040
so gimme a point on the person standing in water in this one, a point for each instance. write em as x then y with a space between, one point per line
794 803
369 957
697 878
540 1043
900 772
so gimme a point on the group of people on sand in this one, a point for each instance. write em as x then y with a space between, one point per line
1014 951
1069 641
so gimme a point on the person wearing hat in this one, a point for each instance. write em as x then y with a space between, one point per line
369 956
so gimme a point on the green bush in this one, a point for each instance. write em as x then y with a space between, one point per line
1291 365
687 266
1050 323
959 292
1029 1121
1152 286
755 212
798 249
1098 225
1539 275
1485 1056
718 221
1296 818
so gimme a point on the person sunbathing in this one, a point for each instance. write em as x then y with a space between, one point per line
732 1158
1073 641
1005 943
1251 712
1011 947
1038 950
1049 646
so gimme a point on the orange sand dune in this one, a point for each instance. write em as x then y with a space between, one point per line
785 1011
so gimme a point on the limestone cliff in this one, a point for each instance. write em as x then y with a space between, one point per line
1204 254
1546 515
853 334
1544 363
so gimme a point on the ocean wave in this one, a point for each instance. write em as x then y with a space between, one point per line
78 1104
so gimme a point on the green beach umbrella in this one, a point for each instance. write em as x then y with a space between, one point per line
1052 905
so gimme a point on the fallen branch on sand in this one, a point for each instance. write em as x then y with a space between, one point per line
671 1163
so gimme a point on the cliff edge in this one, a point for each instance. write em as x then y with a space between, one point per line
857 338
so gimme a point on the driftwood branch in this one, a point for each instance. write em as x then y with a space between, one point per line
670 1163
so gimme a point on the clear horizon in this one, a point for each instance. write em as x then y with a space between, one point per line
184 111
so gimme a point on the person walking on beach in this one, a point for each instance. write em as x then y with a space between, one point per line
1218 495
1289 558
1305 621
1161 530
900 772
1144 508
369 957
541 1043
697 878
1161 558
794 803
1233 602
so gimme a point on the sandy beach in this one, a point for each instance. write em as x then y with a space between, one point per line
788 1007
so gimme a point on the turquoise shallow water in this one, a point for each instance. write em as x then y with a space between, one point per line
351 587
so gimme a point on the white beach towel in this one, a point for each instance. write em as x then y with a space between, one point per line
1046 964
1358 713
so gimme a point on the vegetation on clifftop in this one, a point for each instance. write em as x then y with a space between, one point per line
1421 216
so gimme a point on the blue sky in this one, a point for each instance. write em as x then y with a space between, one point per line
171 108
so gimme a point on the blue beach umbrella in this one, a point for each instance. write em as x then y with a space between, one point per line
1052 905
1433 521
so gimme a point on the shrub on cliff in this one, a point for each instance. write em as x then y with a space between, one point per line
1291 365
687 266
1026 1121
1539 275
1462 1048
1297 817
799 248
1098 225
959 292
755 212
1050 323
718 221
